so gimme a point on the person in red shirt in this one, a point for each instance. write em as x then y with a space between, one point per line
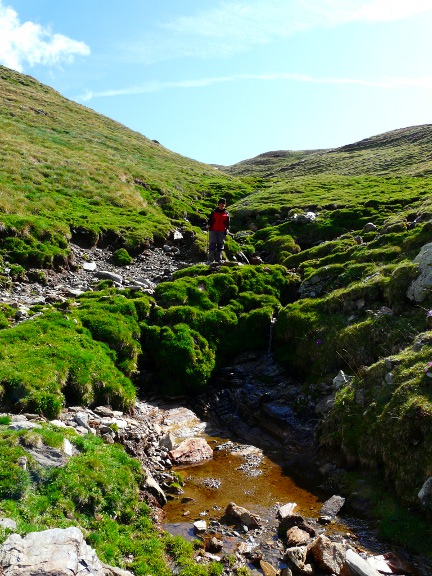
218 224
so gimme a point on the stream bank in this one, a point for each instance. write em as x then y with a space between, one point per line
263 460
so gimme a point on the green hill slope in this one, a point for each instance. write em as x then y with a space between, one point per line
64 168
267 164
403 152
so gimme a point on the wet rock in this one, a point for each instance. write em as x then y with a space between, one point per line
241 516
355 565
214 545
200 526
191 451
295 520
285 510
332 506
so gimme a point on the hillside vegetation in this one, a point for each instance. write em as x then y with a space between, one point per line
338 233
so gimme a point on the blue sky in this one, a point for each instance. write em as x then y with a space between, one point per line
220 81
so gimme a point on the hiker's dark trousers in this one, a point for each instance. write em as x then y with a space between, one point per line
217 242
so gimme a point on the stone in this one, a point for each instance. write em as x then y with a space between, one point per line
214 545
295 520
380 564
191 451
106 275
332 506
297 537
369 227
153 487
241 516
104 411
341 379
425 494
8 523
357 566
48 457
268 569
25 425
200 526
167 441
421 286
54 552
89 266
326 404
296 556
328 555
286 510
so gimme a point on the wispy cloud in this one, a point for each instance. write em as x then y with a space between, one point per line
156 86
30 43
235 26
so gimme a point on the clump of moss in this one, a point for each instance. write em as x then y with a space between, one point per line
183 358
121 257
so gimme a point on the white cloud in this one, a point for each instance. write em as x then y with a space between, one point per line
156 86
30 43
235 26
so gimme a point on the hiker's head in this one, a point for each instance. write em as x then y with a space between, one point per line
222 202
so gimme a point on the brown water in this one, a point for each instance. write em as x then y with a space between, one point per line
243 475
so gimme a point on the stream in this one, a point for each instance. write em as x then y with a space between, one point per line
263 458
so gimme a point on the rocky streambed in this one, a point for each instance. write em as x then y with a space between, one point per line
252 489
236 497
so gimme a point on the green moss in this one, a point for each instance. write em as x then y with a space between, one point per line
121 257
183 358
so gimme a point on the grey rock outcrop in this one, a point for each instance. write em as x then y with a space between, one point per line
53 552
422 285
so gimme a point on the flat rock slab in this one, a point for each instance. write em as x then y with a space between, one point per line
191 451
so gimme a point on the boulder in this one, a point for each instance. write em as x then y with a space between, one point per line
8 523
238 515
191 451
285 510
421 286
268 569
356 566
425 494
332 506
53 552
153 487
369 227
296 556
297 537
328 555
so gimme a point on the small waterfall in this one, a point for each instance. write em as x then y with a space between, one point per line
272 323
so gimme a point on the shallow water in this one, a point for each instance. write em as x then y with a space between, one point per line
244 476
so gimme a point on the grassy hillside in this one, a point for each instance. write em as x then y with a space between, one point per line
66 170
403 152
268 163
